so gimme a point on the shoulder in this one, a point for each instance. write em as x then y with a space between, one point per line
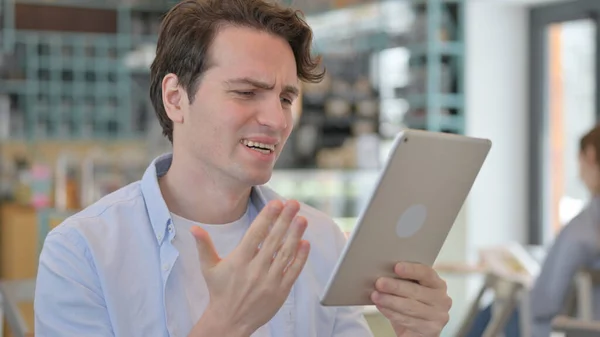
121 198
104 218
583 228
578 239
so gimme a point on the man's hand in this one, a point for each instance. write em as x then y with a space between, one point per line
249 286
417 304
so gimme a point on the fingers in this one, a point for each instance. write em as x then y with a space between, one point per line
408 289
418 302
273 241
411 314
414 326
286 254
405 306
420 273
294 269
281 250
259 229
206 249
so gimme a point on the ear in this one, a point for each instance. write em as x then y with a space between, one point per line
174 98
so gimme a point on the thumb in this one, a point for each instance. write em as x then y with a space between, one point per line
206 249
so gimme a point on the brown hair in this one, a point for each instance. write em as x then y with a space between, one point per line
592 138
189 28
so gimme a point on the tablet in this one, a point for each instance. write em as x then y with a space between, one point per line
418 196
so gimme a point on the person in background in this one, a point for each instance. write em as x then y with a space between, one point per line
577 246
199 246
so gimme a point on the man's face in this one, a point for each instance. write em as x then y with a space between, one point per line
241 115
588 169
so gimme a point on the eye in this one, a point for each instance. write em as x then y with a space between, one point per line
286 101
245 93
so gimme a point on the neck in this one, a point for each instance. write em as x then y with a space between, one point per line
191 192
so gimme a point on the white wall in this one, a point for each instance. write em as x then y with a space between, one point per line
497 108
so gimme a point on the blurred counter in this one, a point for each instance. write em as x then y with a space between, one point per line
18 241
18 249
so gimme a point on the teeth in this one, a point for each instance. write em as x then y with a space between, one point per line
269 147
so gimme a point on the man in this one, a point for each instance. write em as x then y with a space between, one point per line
199 247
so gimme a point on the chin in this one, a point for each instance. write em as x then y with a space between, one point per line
258 177
262 179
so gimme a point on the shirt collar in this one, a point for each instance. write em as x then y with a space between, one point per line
157 209
160 218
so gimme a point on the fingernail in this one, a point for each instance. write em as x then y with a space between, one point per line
292 204
375 296
300 221
305 246
399 267
276 206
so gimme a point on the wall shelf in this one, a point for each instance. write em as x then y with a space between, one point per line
442 101
444 48
71 85
436 94
425 2
141 5
443 123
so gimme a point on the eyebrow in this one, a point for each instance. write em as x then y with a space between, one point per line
291 89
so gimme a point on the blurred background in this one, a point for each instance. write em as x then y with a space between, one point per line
76 121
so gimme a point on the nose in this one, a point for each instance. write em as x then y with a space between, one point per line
273 115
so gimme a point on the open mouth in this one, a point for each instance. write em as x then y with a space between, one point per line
260 147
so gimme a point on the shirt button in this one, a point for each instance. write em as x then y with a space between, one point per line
165 266
170 228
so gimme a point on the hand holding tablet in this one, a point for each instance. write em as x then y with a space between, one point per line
388 259
418 196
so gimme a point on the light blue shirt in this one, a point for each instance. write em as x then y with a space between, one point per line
111 270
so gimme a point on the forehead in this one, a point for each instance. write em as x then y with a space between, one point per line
248 52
